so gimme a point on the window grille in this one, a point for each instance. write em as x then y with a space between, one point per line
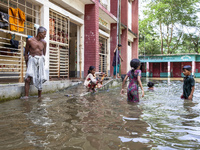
59 45
32 16
103 55
58 27
12 65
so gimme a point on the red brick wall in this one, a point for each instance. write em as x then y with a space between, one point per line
91 42
124 35
113 7
135 28
113 43
135 48
124 42
124 12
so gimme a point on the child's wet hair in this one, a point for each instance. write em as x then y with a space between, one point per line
135 63
90 69
188 68
150 84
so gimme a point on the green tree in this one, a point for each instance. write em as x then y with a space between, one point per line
190 43
148 41
192 35
168 19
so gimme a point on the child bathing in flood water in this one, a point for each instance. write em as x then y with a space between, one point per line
151 86
134 79
91 81
188 85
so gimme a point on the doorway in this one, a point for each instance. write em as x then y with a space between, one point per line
73 51
156 69
177 69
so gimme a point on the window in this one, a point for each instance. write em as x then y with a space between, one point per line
102 54
58 27
104 3
23 20
59 45
23 16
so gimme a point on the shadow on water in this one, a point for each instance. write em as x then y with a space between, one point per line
103 121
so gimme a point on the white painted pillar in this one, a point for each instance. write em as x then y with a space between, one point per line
45 23
108 7
168 81
78 51
108 56
168 69
147 70
193 67
82 51
129 56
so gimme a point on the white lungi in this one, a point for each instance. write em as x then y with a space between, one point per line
36 70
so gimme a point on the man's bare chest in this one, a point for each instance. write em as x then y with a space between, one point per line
37 45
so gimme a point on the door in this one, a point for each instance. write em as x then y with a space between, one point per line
197 67
177 69
186 63
156 69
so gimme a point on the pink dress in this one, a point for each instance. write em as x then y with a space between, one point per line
132 91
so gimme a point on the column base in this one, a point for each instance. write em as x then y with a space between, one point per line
147 74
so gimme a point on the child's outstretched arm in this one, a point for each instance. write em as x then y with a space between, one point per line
140 83
122 91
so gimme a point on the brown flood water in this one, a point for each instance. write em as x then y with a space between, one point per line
102 121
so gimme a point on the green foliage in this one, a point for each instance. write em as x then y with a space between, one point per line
164 27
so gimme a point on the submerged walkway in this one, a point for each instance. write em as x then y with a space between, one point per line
16 90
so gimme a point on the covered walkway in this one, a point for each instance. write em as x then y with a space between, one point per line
169 65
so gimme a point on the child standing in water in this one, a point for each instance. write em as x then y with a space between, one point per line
91 81
188 85
134 79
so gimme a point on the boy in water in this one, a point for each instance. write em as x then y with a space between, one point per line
188 86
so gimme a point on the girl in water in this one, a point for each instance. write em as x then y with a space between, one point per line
135 79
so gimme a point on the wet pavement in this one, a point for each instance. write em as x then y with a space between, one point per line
103 121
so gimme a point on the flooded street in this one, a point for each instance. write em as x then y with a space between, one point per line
103 121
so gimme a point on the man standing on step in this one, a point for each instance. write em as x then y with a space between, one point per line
35 59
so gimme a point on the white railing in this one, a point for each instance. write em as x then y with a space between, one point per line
12 65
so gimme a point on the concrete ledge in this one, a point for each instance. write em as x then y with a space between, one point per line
15 91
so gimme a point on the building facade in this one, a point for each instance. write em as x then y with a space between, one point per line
80 33
169 65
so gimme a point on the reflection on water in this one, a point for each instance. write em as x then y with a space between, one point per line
103 121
